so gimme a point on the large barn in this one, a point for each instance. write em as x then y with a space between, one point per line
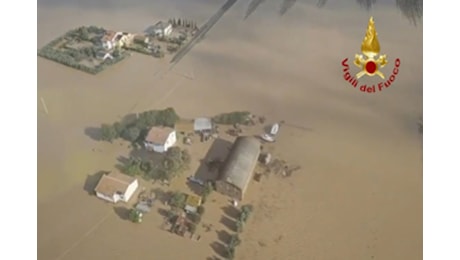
236 173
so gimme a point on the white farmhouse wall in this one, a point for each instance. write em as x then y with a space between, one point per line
117 197
104 197
130 190
159 148
170 141
168 30
154 147
107 45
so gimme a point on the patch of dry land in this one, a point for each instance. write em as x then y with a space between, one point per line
358 192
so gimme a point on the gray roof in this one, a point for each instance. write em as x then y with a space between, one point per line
241 162
161 25
202 123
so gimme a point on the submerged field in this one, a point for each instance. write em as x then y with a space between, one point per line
358 194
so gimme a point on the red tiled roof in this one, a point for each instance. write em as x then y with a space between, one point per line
158 134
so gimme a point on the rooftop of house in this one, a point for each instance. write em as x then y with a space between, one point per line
162 25
113 182
193 201
109 35
158 134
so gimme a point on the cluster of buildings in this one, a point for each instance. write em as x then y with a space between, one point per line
233 178
112 40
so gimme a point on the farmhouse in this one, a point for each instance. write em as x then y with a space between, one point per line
116 187
112 39
160 139
236 173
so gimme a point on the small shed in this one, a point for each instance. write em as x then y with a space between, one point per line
192 203
202 124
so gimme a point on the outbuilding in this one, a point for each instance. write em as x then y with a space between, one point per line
116 187
238 168
202 124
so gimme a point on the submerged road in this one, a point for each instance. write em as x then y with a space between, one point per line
202 32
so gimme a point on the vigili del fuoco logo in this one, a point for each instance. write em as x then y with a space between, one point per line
370 64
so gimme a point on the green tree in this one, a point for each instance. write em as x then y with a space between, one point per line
230 252
239 226
247 208
243 216
131 134
135 216
234 241
133 167
245 212
238 117
178 200
83 33
118 128
108 133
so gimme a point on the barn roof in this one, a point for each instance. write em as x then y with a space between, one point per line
241 162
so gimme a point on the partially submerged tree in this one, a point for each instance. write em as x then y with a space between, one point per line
133 167
108 132
178 200
239 226
135 216
173 163
234 241
131 134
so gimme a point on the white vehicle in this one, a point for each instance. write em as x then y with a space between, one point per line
274 130
267 138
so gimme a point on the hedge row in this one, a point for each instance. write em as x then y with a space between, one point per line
66 59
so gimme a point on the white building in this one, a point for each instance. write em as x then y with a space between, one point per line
112 39
202 124
162 29
116 187
160 139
